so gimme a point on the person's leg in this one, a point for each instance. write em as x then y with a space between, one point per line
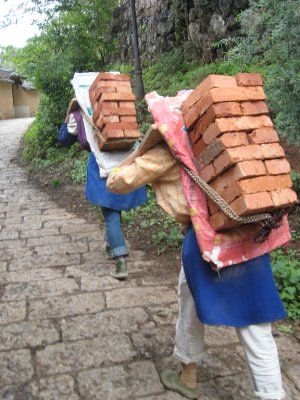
113 232
189 344
189 339
262 358
115 239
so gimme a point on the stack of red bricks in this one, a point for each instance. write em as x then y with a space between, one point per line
114 111
236 147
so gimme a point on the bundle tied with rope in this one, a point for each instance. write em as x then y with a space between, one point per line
241 166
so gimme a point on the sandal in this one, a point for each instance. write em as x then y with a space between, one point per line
171 381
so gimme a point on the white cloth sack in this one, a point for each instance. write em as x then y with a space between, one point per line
106 161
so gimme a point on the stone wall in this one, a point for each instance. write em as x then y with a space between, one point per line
199 27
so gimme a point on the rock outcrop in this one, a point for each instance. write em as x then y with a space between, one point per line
202 28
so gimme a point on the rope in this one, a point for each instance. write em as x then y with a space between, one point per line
222 204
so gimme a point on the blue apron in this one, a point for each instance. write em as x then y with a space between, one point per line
98 194
239 295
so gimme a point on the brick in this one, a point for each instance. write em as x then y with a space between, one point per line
241 170
246 79
277 166
263 135
108 76
107 110
253 203
218 110
283 197
109 104
220 221
256 185
103 120
117 97
208 173
237 94
198 147
217 146
109 132
219 95
273 150
212 81
114 84
132 133
127 104
235 155
254 108
222 125
124 89
128 118
212 207
121 125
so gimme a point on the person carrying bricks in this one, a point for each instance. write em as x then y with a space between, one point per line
111 204
243 296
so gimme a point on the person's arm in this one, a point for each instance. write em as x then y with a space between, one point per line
143 170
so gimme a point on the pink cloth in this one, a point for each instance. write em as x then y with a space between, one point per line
221 249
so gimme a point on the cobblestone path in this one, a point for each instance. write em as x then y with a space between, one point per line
69 331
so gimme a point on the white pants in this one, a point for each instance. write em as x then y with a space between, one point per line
257 341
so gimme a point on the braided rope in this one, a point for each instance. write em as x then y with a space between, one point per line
225 207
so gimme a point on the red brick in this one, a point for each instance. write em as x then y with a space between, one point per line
277 166
122 125
235 155
245 79
254 108
198 147
256 185
219 221
217 110
237 94
127 104
107 110
212 81
102 120
109 133
283 197
208 173
115 144
222 125
117 97
128 118
132 133
241 170
219 95
123 89
109 104
263 135
114 84
273 150
252 204
212 207
108 76
215 148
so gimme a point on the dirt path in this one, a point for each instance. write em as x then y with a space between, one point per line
69 331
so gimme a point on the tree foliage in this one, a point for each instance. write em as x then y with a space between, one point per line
271 30
74 38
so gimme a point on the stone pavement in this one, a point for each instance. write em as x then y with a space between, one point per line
69 331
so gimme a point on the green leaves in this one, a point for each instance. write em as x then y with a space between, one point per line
271 40
286 269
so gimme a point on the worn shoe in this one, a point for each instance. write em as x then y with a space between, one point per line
107 252
121 269
171 381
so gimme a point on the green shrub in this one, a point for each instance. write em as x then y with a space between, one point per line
271 40
286 269
296 181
